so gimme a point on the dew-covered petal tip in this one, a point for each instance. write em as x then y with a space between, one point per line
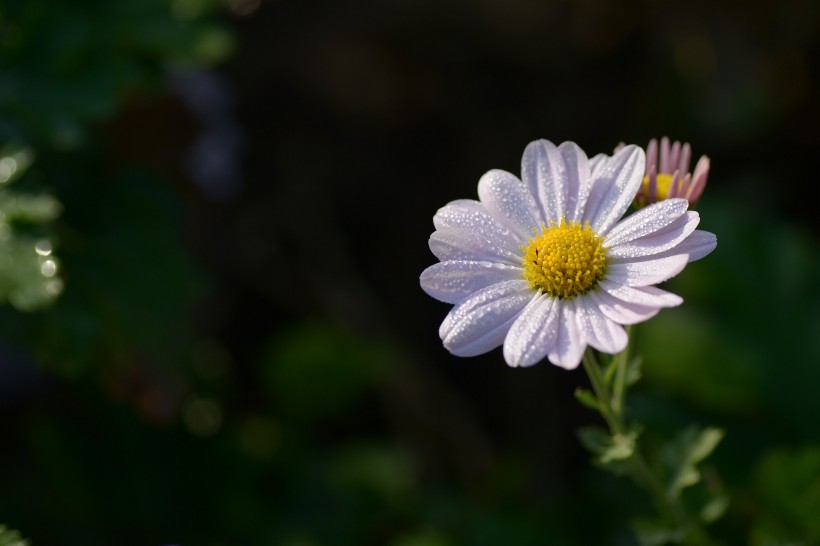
454 280
479 323
533 333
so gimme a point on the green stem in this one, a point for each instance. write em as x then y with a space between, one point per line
619 390
611 408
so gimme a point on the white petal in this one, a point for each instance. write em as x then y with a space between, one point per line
533 333
614 187
696 246
479 323
569 344
471 245
577 174
465 230
459 213
596 162
650 296
646 272
454 280
544 172
655 243
469 214
647 220
600 332
508 199
620 311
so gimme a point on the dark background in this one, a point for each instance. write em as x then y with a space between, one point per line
242 353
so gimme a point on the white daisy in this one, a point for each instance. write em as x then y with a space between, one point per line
544 267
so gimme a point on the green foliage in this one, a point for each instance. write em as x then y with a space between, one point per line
632 371
653 532
68 69
682 455
587 399
29 271
10 537
788 482
610 450
67 65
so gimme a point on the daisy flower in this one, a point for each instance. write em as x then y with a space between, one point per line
543 266
671 177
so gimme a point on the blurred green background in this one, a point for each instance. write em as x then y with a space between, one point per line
213 215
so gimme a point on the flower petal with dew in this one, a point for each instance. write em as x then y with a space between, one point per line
667 173
546 266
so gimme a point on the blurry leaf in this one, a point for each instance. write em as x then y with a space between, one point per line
132 279
587 399
608 448
610 369
683 454
28 279
715 508
28 208
650 532
29 276
15 159
213 45
10 537
633 371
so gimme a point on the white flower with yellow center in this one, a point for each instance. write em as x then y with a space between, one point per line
543 265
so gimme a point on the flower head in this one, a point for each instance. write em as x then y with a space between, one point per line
670 177
544 265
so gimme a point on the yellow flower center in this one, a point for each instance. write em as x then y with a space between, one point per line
566 260
664 182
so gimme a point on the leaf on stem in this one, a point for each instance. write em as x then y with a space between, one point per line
685 452
609 449
588 399
633 371
651 532
610 369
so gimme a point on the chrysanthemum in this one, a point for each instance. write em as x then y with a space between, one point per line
543 265
668 175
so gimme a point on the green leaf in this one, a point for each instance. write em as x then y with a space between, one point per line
587 399
10 537
28 270
685 452
33 209
15 159
608 448
715 508
611 368
650 532
633 371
